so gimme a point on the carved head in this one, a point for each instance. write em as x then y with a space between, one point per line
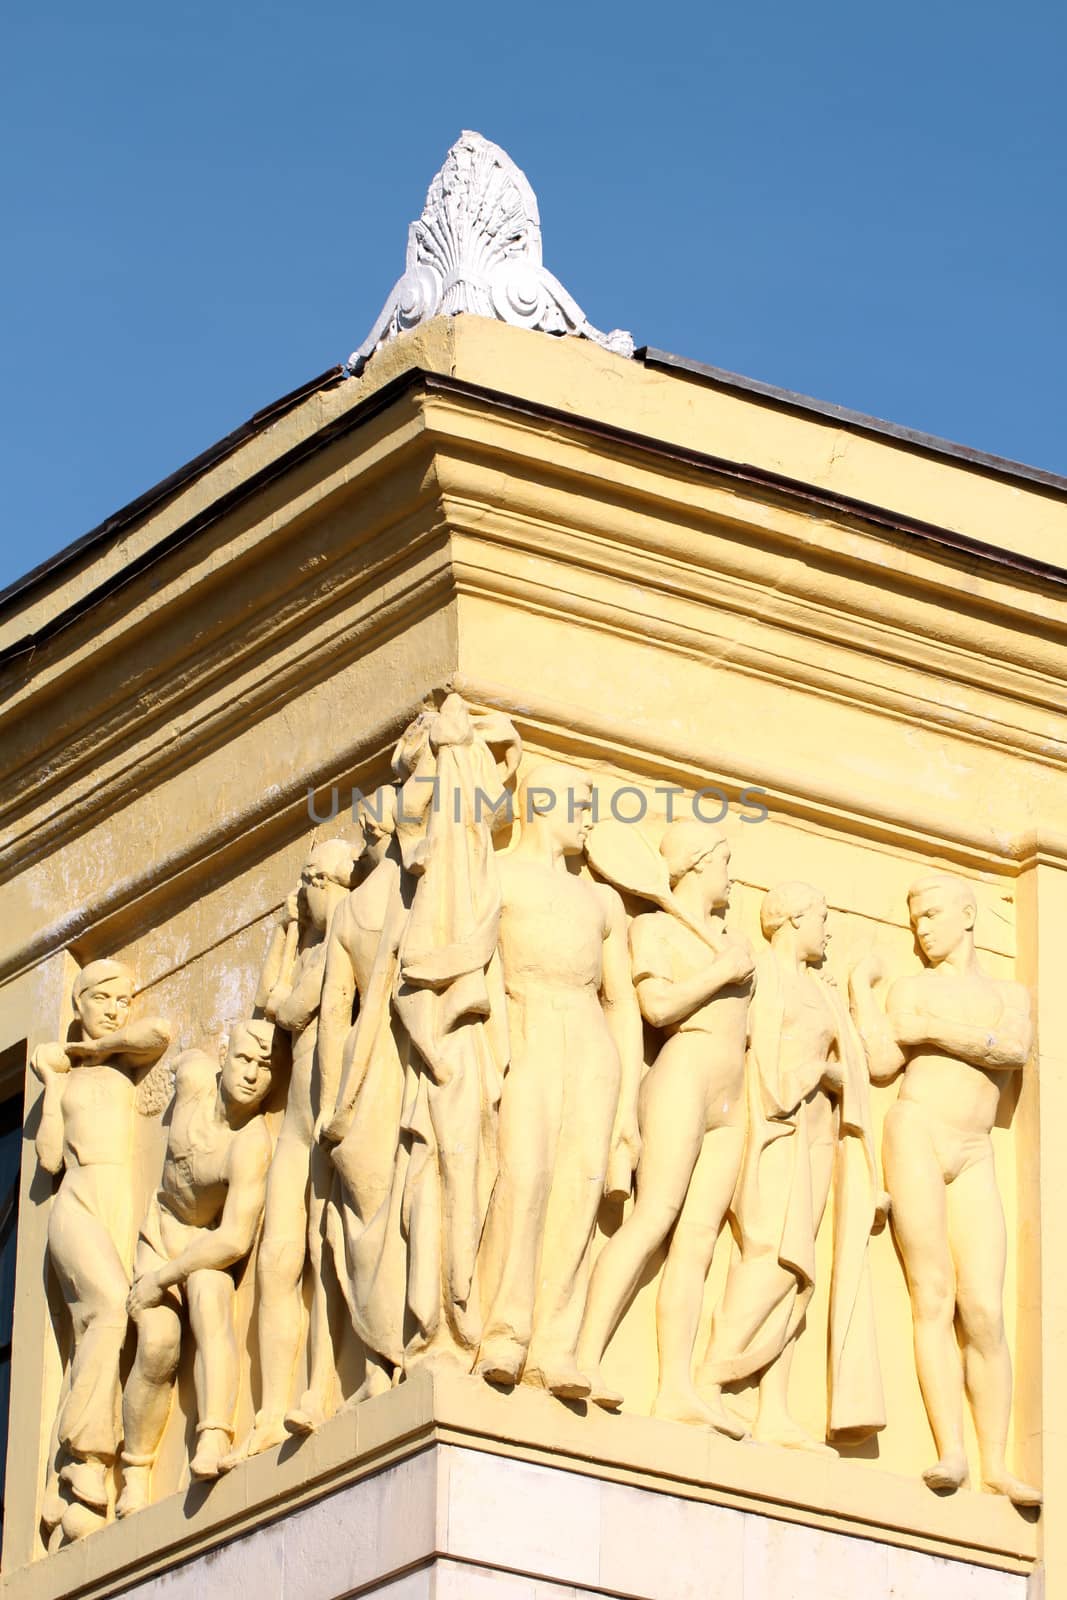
801 909
691 846
557 800
943 910
102 996
326 878
247 1069
376 814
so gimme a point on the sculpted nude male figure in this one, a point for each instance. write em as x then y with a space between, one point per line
693 982
289 993
954 1030
86 1132
202 1221
569 1104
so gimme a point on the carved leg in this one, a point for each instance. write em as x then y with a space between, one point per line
751 1322
672 1131
327 1308
979 1248
591 1092
211 1298
378 1379
920 1226
280 1310
681 1291
530 1113
774 1421
95 1284
146 1402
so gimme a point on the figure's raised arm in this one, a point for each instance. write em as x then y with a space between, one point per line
294 1009
281 952
51 1064
335 1019
140 1044
881 1043
665 1001
1004 1043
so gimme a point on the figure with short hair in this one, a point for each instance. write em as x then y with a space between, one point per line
202 1222
298 1187
955 1031
809 1124
87 1133
363 1050
693 980
568 1113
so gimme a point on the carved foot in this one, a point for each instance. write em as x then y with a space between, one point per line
685 1405
136 1488
948 1473
601 1393
308 1414
87 1481
787 1434
443 1358
79 1521
54 1503
501 1361
377 1381
561 1378
267 1431
1018 1492
211 1451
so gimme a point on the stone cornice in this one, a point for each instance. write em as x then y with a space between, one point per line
544 511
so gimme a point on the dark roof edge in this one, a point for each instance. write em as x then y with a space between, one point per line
370 406
168 487
165 490
789 401
413 378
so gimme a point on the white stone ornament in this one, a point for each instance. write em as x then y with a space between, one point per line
477 248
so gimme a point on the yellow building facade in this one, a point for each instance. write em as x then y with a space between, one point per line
658 596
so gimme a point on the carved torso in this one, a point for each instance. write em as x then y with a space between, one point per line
953 1089
198 1150
663 947
809 1034
359 921
98 1101
552 930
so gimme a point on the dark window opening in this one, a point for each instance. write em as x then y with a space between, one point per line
10 1162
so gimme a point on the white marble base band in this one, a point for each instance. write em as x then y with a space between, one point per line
454 1523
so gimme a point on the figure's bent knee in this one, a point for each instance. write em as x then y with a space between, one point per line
933 1301
102 1312
209 1291
651 1221
694 1239
982 1327
158 1350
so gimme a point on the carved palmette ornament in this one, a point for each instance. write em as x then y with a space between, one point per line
477 248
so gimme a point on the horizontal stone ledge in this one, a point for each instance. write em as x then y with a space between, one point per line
450 1409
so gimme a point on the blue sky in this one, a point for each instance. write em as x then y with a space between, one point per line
206 204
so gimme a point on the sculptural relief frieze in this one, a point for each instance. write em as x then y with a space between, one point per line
533 1060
